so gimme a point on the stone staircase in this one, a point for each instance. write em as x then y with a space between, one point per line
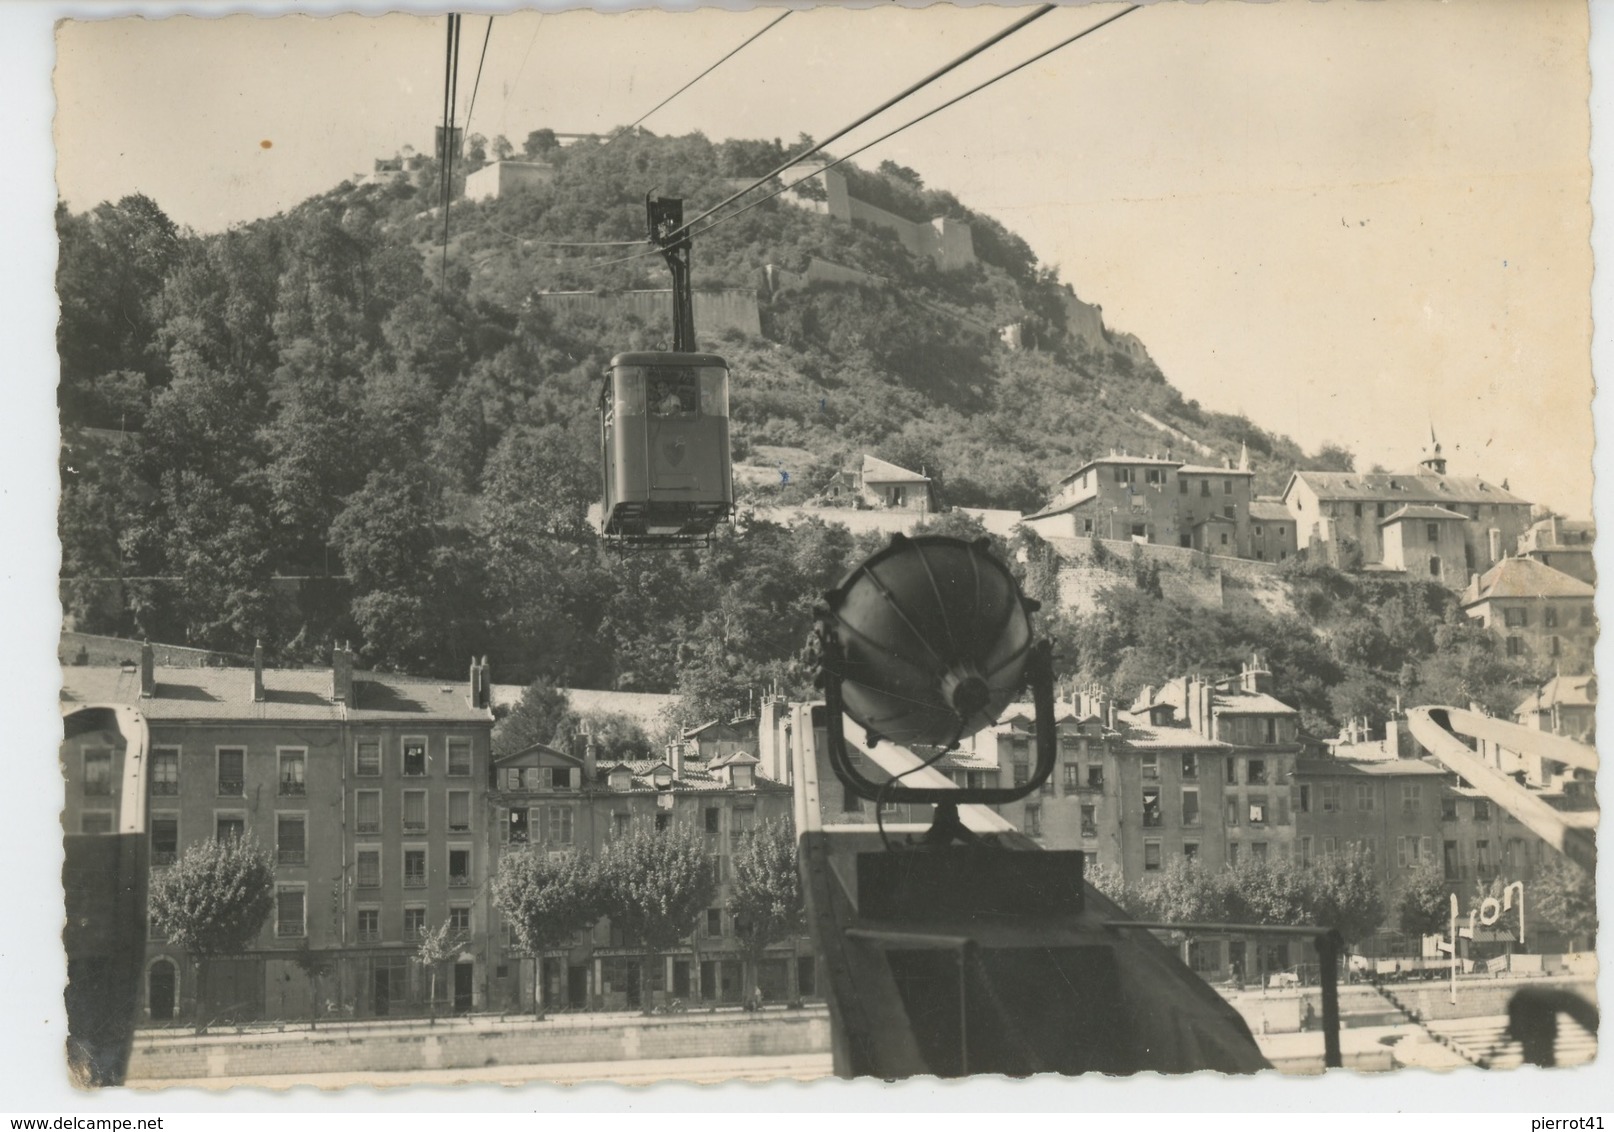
1483 1041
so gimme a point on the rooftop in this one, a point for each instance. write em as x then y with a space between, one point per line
1420 487
299 694
1269 510
1561 691
1421 511
1524 578
876 470
1371 768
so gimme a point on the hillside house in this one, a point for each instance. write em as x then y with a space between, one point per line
1539 613
1563 544
1334 510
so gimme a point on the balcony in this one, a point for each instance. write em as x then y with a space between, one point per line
1089 830
414 826
415 881
292 857
161 857
462 880
293 789
369 935
231 788
367 826
164 789
288 929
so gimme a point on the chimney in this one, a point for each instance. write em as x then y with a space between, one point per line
148 670
591 757
768 728
341 674
1392 737
473 683
1496 544
257 672
485 684
675 757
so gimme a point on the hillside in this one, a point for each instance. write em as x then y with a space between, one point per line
295 432
898 369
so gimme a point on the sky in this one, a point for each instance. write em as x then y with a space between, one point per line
1353 222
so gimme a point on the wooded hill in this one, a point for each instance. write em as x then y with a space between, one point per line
312 397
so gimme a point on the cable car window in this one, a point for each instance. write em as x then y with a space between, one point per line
629 393
673 391
714 393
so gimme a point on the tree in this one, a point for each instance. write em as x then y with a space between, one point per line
540 142
543 715
314 967
654 884
765 897
213 900
1565 900
1423 906
546 901
1343 893
436 945
502 149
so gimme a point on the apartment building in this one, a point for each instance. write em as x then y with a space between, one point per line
366 788
568 802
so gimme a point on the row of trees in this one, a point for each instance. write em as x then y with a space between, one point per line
1340 892
653 885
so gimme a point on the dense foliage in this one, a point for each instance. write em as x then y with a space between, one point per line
654 884
1341 892
546 900
305 430
213 900
765 897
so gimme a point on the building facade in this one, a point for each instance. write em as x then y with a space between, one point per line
567 802
1538 613
1154 499
366 790
1563 544
1337 511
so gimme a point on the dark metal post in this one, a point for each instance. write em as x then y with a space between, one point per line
1328 947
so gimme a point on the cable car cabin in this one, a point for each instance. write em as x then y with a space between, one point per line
664 440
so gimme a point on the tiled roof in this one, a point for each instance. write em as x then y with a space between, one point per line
1126 461
1248 703
1176 738
1421 511
1564 691
876 470
1411 487
1207 470
1370 768
1269 511
289 694
1525 577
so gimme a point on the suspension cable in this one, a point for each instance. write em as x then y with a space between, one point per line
758 35
477 85
914 122
1040 12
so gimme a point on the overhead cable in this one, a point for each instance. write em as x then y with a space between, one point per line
1040 12
477 85
914 122
758 35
